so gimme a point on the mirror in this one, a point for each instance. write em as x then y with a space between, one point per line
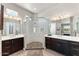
67 26
12 22
11 27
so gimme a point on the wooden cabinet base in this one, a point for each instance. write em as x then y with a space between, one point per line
12 46
67 48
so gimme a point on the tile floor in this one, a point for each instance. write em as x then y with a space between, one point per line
44 52
36 52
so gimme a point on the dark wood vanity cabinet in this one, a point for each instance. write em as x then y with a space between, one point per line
65 47
1 16
57 45
11 46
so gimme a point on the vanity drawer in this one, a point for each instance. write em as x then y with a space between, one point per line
6 52
74 48
75 52
6 47
6 43
74 45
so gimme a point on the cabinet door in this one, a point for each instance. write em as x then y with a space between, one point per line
48 43
54 44
51 43
21 43
59 46
63 47
15 45
1 16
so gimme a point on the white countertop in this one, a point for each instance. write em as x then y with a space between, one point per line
11 37
70 38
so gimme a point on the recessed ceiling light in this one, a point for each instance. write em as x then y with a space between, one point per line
35 8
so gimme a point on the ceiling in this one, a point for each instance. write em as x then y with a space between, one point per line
52 10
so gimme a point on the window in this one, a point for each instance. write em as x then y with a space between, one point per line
10 12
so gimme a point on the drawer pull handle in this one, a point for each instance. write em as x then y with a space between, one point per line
75 43
75 49
6 53
7 42
7 47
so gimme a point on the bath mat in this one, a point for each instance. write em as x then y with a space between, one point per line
34 45
35 53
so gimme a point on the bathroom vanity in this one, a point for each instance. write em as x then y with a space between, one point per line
66 45
11 44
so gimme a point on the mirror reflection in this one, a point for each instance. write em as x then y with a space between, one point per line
66 26
11 27
12 23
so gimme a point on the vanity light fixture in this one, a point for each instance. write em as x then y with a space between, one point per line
56 18
61 17
11 14
12 17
